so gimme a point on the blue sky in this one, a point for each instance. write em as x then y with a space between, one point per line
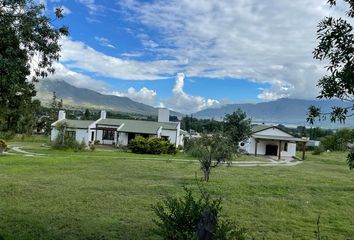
192 54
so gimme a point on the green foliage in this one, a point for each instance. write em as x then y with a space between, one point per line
201 125
27 40
151 146
55 106
3 145
181 218
339 140
318 150
335 47
211 151
65 142
237 127
350 160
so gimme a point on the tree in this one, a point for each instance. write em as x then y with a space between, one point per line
237 127
211 152
336 46
55 106
87 114
28 40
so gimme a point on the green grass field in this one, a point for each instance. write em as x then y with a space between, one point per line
108 194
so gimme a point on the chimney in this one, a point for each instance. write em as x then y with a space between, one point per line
103 114
61 115
163 115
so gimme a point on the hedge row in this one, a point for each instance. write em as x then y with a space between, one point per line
151 146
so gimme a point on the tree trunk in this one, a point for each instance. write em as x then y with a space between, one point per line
206 175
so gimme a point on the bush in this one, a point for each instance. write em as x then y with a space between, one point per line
3 146
151 146
68 143
191 218
318 150
7 135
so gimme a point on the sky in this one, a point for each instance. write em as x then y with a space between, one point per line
189 55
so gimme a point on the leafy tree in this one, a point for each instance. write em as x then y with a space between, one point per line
87 114
237 127
28 40
211 152
336 46
55 106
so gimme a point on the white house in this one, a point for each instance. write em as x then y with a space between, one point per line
118 132
272 141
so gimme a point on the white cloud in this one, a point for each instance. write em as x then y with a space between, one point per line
262 41
132 54
144 95
104 42
183 102
92 6
77 79
107 66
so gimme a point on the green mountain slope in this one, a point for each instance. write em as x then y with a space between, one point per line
85 98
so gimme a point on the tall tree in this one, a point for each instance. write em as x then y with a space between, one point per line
55 106
29 44
336 46
237 127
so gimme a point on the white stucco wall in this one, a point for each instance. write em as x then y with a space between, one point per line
171 134
249 147
54 134
81 135
123 139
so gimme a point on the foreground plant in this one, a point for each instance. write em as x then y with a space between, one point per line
188 217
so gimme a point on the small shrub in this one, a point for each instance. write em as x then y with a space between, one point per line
318 150
92 146
3 146
350 160
188 217
68 143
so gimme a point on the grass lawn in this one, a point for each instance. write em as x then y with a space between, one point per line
108 194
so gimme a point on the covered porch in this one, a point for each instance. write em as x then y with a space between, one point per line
279 146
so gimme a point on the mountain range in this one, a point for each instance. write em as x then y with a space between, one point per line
282 111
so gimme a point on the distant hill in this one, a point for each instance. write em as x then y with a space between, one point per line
85 98
282 111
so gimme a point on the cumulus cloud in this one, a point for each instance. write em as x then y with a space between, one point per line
114 67
104 42
144 95
183 102
77 79
262 41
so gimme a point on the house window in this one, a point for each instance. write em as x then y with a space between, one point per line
70 134
108 135
285 147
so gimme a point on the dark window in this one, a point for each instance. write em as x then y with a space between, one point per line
108 135
92 136
70 134
285 147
